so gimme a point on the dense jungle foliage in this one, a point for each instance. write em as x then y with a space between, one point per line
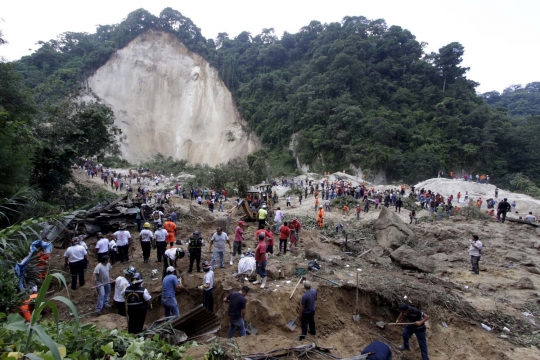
356 92
519 100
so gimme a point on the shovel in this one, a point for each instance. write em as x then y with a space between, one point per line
356 317
250 329
291 325
382 324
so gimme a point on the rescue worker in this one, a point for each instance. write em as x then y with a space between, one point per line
170 226
307 310
170 285
260 259
76 257
195 243
238 238
320 217
262 216
377 350
207 286
137 302
502 209
146 238
120 284
413 315
170 258
160 237
28 305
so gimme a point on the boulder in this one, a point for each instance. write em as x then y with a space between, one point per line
533 270
524 283
439 257
407 258
513 256
272 272
391 232
443 234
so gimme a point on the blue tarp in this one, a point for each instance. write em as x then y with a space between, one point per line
20 267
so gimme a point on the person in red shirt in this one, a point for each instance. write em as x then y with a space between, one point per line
238 238
293 235
284 233
269 241
297 227
260 260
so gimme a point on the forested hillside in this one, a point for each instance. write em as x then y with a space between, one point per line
355 92
520 101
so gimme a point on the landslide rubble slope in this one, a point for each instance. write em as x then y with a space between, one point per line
169 100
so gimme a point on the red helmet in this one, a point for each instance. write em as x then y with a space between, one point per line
241 223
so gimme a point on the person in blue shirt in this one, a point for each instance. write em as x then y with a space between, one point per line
378 351
413 315
307 310
170 285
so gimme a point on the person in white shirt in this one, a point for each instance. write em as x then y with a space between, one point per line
160 239
218 241
76 258
120 284
156 217
277 219
146 236
530 217
122 242
170 258
208 285
102 246
113 250
475 251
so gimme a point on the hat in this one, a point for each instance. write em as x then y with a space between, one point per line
320 206
241 223
146 225
130 271
206 266
403 307
196 233
170 270
307 285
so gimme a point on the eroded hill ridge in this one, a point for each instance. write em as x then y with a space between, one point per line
169 100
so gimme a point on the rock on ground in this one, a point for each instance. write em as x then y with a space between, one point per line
525 283
407 258
391 231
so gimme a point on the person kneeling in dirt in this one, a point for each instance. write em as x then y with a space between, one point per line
137 300
378 351
237 311
417 317
307 310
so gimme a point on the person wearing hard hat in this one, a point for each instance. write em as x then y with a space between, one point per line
238 238
195 244
170 258
262 216
170 285
207 286
122 237
160 237
146 237
120 284
137 301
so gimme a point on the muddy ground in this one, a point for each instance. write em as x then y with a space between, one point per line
451 294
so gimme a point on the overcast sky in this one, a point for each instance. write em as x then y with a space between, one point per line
501 37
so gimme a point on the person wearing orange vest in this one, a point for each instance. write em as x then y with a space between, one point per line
171 231
27 306
320 217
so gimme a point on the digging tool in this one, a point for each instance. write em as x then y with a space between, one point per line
292 324
330 281
250 329
298 283
356 317
97 286
382 324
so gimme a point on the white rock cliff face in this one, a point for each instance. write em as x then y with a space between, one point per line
169 100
